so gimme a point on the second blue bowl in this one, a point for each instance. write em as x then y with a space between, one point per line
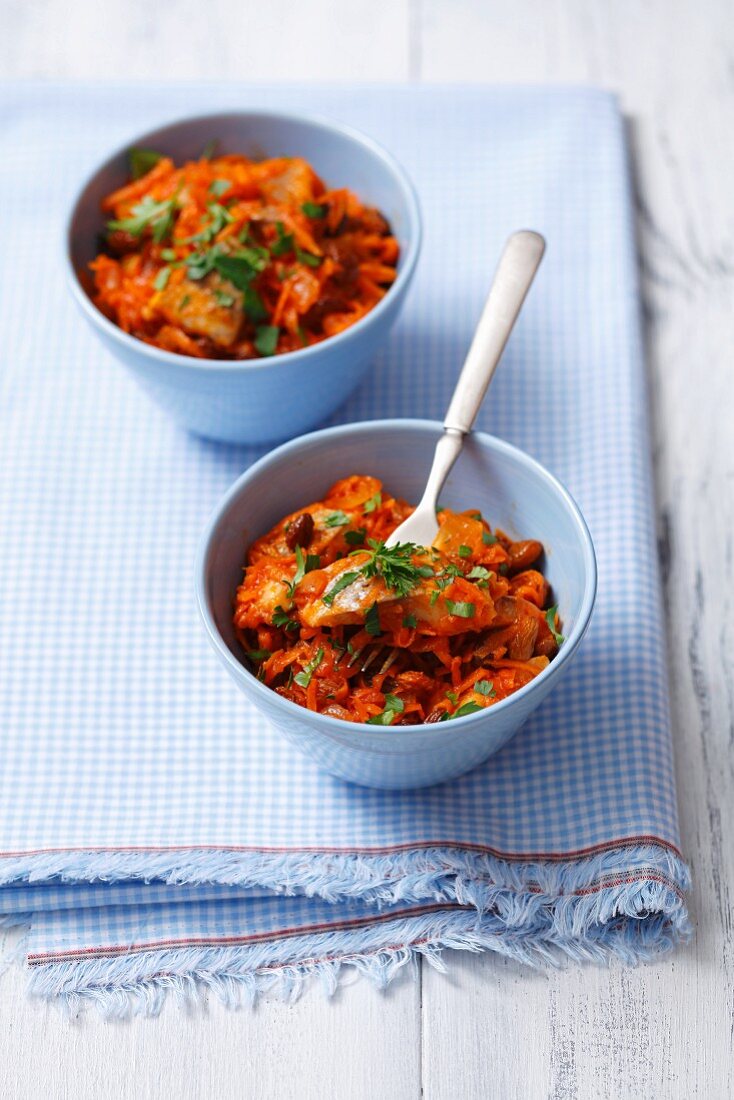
512 490
256 400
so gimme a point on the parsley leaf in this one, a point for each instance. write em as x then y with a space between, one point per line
356 538
218 187
394 564
372 621
303 679
479 573
315 209
550 618
336 519
299 573
393 707
280 618
464 709
342 582
258 654
485 687
462 610
266 339
141 161
373 503
237 269
410 621
488 539
464 551
162 278
284 241
199 264
147 214
254 306
223 299
307 258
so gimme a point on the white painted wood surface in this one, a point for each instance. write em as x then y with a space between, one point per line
490 1029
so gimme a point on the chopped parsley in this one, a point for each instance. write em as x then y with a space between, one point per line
372 621
341 583
503 568
281 619
303 679
254 305
304 564
393 707
336 519
464 709
161 280
464 551
479 573
307 258
218 187
184 301
357 537
462 610
452 697
315 209
299 573
240 268
266 339
373 503
168 254
283 242
258 654
394 564
410 622
488 538
485 687
223 299
550 618
148 214
141 161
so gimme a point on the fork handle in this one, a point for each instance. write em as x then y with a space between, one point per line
515 272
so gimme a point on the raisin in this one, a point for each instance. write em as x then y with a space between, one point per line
300 531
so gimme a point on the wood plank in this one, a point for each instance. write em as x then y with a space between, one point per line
216 40
360 1044
495 1030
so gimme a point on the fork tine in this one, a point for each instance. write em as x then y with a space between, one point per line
370 658
391 657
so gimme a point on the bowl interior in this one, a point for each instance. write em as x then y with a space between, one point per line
342 159
511 490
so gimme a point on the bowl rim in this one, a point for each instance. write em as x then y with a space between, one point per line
324 435
303 355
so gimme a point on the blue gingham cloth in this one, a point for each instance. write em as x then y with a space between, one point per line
155 834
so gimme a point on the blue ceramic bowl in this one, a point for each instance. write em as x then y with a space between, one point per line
256 401
512 490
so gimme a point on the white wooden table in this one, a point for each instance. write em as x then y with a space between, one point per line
491 1029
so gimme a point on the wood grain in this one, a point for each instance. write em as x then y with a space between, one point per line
491 1029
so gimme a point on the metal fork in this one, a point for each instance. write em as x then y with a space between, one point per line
515 272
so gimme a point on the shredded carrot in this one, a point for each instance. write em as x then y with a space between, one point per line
228 258
337 622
